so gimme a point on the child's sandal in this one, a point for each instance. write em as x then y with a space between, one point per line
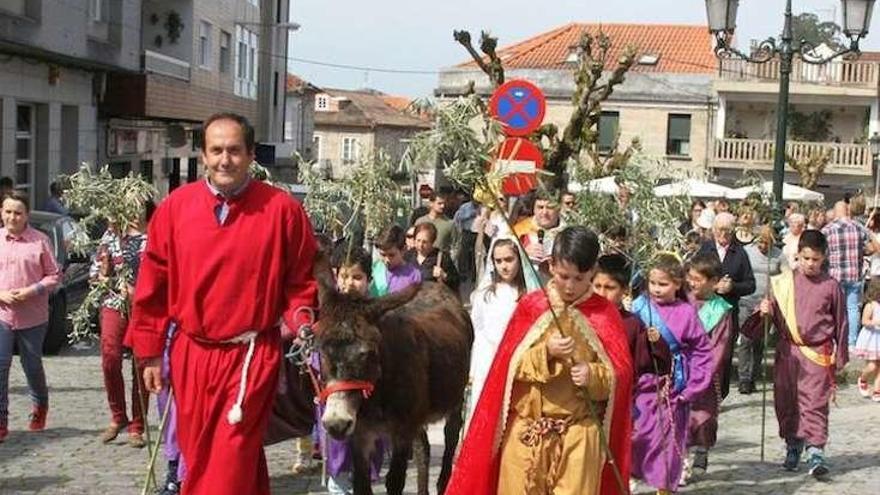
864 389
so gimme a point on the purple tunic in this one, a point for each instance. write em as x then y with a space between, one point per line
802 388
403 276
703 419
660 431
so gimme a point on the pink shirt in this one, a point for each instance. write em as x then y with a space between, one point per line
27 260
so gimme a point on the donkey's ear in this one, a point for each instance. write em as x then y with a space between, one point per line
323 274
382 305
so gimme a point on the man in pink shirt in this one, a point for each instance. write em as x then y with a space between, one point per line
28 273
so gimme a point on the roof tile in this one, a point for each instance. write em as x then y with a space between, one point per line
681 48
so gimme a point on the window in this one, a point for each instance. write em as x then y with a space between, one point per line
98 10
678 142
205 44
25 138
349 150
609 123
316 147
322 103
245 62
119 170
225 42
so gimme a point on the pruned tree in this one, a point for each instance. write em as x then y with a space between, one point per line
593 85
811 167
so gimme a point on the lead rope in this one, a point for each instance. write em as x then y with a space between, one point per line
235 413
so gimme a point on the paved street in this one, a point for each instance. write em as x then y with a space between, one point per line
69 459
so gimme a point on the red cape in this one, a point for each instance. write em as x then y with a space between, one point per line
476 470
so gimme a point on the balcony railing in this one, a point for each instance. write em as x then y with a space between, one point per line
158 63
851 159
835 73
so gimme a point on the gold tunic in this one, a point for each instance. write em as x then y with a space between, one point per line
569 463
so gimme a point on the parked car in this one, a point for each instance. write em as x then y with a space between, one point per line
75 280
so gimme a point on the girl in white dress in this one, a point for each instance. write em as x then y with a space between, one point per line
505 280
868 344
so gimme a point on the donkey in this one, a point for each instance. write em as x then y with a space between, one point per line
391 366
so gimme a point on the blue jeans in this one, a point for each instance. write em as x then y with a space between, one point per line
30 350
852 291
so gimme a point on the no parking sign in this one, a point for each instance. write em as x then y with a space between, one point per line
519 106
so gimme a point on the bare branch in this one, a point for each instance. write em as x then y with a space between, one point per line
493 68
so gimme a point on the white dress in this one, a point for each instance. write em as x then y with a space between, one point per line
490 314
868 343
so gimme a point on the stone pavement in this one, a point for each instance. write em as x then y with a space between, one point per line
68 458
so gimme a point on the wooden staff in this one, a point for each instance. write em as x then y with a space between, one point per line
151 475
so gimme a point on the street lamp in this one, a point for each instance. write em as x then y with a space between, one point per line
722 23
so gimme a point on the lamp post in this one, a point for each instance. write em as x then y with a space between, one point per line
722 23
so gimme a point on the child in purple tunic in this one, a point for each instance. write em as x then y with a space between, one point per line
808 310
662 401
391 273
352 267
704 273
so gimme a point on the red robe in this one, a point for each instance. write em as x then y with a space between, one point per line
476 470
219 282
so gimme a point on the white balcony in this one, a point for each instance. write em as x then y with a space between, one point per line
157 63
835 73
757 154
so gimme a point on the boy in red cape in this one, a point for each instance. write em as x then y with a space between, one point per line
554 415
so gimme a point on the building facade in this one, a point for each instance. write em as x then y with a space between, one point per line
833 110
694 113
352 124
198 57
55 59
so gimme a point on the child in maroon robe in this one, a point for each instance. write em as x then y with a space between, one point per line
809 311
611 282
704 272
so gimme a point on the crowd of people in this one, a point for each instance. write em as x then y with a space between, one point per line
588 369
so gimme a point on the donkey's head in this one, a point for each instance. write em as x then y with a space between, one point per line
349 343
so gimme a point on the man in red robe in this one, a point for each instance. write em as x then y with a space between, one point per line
228 259
554 414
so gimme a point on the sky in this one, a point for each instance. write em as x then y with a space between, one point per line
416 35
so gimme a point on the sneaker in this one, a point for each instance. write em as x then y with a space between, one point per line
687 472
746 388
701 462
170 488
38 418
818 466
111 432
136 440
864 389
172 485
792 457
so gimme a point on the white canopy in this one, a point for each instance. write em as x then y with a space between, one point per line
692 187
605 185
789 192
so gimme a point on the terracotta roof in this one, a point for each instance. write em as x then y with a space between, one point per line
296 84
367 108
401 103
679 48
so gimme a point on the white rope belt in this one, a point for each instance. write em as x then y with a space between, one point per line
236 414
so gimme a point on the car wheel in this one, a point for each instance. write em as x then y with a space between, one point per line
56 334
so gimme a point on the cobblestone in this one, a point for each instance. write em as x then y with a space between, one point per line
68 458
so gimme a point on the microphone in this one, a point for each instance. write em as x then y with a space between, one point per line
541 234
